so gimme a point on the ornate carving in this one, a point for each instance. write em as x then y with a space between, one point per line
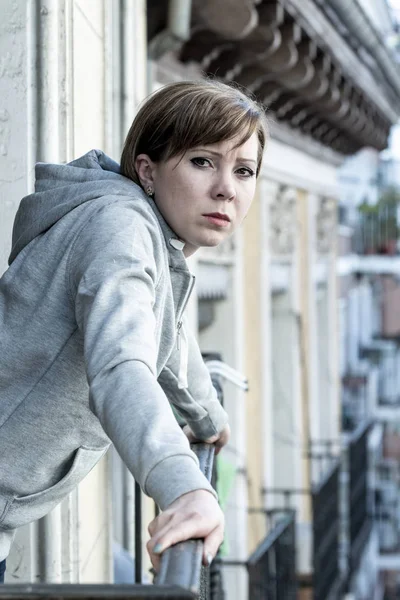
326 225
283 221
231 19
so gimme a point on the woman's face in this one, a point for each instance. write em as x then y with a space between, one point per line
205 195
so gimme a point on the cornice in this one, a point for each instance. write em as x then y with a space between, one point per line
296 64
293 138
319 28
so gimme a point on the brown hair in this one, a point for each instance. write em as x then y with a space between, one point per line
186 114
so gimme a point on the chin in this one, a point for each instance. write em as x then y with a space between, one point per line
211 242
208 239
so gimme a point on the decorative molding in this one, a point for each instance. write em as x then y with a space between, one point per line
327 95
283 221
326 225
318 27
231 19
293 138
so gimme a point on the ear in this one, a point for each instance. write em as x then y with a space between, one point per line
145 169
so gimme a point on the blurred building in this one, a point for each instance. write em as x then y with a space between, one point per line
294 302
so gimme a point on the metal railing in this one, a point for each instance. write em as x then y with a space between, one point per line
326 529
354 400
326 581
181 564
377 230
360 522
93 592
272 567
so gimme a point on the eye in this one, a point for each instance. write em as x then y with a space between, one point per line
198 161
245 172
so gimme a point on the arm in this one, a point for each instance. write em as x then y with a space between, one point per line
197 403
113 279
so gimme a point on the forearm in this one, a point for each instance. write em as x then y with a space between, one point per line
136 416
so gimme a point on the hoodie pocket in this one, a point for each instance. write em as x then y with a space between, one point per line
20 510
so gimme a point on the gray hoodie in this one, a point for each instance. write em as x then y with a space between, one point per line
92 345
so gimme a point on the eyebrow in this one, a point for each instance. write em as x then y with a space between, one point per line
220 155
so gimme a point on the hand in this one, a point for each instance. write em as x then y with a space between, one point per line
219 439
194 515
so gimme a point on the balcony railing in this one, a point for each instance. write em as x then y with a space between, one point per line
354 400
272 567
359 499
377 230
327 580
92 592
326 530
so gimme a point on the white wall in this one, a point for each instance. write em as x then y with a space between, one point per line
15 116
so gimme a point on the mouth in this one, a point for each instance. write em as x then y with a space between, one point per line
219 219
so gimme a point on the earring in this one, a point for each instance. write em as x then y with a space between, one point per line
149 191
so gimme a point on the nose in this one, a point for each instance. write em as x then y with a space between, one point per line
224 187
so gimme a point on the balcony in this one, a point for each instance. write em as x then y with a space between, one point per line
326 582
375 241
377 230
387 506
383 354
387 500
272 567
354 400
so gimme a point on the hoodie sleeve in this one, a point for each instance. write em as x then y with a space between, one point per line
113 278
196 399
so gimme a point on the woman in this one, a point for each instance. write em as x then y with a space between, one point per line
93 343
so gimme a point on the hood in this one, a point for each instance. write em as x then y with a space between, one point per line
61 188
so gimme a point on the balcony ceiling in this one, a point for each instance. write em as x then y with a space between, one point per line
259 45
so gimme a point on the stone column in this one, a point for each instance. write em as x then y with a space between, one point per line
286 349
328 321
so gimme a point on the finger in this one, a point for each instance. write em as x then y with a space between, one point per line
159 523
155 561
160 532
194 526
155 557
211 544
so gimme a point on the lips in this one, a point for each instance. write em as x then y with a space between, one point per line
221 216
219 220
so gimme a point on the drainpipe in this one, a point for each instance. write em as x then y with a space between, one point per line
177 31
359 24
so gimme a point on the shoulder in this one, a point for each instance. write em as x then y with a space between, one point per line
117 231
123 219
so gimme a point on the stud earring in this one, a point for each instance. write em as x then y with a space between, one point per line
149 191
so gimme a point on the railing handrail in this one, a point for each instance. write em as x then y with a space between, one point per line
181 564
38 591
272 566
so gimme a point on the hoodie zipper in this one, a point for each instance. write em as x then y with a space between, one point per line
182 343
